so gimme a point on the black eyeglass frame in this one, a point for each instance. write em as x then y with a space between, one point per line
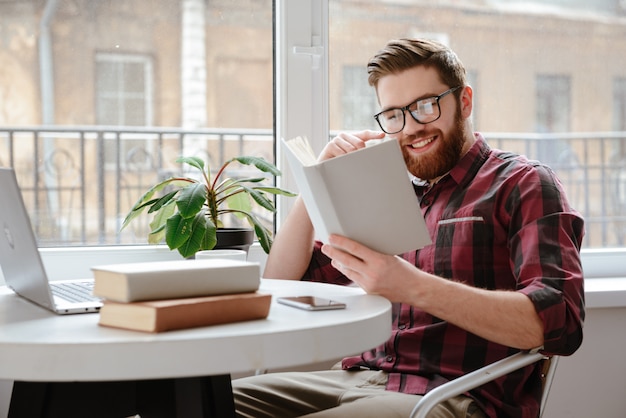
407 109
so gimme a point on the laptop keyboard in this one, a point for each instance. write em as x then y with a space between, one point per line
74 292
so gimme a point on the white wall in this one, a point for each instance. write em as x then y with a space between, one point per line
592 382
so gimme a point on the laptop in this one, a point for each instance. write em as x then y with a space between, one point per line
21 262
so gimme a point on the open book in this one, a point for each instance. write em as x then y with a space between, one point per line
365 195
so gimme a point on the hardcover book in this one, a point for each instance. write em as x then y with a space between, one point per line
365 195
173 314
131 282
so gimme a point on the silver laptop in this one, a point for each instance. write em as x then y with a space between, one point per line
21 262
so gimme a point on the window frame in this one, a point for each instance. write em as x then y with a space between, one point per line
301 82
301 66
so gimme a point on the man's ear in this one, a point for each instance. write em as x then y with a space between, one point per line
467 102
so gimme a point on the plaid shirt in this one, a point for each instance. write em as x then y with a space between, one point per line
497 221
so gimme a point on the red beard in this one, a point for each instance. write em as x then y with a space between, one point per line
449 150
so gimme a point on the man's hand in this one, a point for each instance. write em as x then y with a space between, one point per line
505 317
381 274
348 142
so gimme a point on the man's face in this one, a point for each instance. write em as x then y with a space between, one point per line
433 149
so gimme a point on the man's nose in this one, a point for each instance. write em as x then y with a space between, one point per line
410 124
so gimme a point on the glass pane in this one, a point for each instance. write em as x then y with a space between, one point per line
619 104
553 103
127 87
134 77
358 98
535 91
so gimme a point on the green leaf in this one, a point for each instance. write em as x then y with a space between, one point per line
146 199
191 200
196 237
265 237
260 198
160 218
227 186
263 234
260 163
165 200
178 230
239 201
210 236
275 190
196 162
157 236
135 212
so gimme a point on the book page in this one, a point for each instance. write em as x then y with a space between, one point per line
302 149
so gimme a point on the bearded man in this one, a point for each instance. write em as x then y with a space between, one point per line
503 273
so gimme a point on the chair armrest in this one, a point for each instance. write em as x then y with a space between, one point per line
474 379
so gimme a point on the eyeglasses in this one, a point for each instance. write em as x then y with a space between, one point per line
424 111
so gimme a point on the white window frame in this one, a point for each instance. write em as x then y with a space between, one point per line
302 103
301 66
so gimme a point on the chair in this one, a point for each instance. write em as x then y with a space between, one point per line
486 374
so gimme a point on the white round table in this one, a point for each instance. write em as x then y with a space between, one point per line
39 346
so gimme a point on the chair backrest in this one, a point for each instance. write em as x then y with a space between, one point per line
486 374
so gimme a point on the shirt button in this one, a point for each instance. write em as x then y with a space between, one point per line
426 202
389 359
401 327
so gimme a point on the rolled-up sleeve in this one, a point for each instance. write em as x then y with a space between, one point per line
545 258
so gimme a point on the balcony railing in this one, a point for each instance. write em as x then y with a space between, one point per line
79 182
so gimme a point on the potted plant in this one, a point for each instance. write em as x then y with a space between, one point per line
189 212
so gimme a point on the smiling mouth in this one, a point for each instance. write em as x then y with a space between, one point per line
422 143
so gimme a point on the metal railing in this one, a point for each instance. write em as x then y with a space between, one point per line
79 182
592 168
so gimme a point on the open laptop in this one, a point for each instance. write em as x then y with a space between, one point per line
21 262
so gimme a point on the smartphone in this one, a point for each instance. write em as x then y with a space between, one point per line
311 303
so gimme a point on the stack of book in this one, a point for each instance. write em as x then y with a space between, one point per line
169 295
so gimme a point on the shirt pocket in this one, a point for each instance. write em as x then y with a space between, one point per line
461 231
471 249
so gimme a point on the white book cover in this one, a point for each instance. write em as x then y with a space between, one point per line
130 282
365 195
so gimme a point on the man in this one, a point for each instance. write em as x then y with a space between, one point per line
503 273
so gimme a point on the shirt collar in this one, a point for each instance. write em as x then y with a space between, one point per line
471 162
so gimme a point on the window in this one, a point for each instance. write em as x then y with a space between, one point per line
553 103
124 98
533 93
123 90
227 77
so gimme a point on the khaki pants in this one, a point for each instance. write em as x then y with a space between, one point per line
334 393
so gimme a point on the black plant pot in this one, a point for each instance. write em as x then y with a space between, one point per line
234 239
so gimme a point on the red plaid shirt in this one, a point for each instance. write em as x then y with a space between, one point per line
497 221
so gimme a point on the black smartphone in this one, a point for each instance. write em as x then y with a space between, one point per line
311 303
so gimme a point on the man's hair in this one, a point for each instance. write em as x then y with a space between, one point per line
402 54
